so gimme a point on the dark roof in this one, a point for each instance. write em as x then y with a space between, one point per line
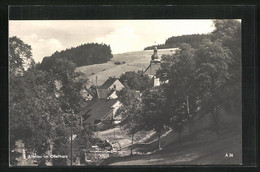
108 83
97 109
152 68
91 93
104 93
111 92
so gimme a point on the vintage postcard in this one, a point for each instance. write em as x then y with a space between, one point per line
125 92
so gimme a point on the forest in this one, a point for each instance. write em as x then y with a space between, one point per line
176 41
83 55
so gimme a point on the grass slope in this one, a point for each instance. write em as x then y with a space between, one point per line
203 148
134 61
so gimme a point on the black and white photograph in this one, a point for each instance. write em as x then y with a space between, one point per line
136 92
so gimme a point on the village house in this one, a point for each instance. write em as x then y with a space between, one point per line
109 89
87 94
103 106
100 110
106 94
113 84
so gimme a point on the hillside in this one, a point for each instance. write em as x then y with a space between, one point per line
203 148
133 61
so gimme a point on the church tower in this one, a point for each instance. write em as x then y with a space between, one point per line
155 64
155 58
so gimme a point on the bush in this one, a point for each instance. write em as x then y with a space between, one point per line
117 63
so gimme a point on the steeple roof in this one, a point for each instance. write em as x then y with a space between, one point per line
155 55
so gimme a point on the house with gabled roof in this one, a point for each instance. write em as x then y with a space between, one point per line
106 94
112 84
100 110
104 105
109 89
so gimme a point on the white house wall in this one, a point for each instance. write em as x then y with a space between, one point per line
113 95
119 85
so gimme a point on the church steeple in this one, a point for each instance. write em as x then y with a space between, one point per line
155 64
155 57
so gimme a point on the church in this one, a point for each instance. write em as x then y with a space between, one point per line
154 65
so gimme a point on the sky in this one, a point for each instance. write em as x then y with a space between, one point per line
48 36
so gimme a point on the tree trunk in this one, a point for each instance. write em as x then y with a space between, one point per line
159 142
216 122
179 136
81 122
188 105
215 119
71 135
114 133
190 130
132 143
189 117
214 114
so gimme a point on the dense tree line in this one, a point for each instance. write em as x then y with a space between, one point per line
86 54
196 80
175 41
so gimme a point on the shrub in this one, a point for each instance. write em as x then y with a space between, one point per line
117 63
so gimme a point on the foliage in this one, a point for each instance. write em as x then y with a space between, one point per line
82 143
32 108
65 72
38 115
175 41
130 111
228 33
182 93
86 54
61 143
154 102
153 112
136 80
127 97
212 68
204 75
20 56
